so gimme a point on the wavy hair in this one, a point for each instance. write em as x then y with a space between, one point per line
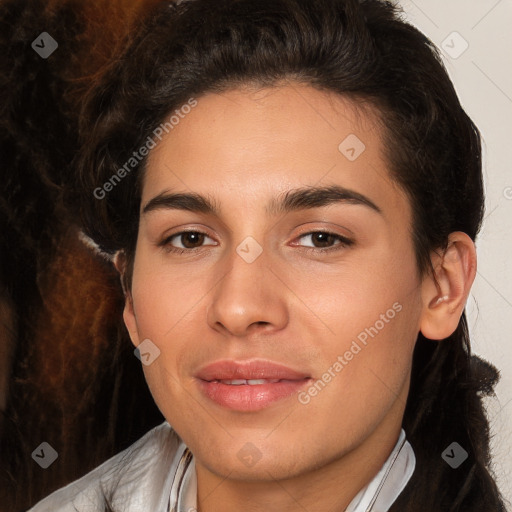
366 52
64 352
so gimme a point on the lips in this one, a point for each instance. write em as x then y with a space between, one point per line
249 385
250 382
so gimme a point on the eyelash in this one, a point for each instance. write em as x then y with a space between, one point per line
344 242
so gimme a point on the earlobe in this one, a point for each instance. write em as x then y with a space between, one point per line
444 300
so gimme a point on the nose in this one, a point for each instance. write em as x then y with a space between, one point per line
249 298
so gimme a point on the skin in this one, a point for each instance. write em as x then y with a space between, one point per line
291 306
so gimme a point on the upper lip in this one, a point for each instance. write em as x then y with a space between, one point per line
252 369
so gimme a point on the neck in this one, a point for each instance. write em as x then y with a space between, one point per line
330 487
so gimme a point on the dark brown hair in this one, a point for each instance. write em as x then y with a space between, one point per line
363 51
73 380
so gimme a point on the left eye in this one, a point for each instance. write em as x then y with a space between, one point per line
325 237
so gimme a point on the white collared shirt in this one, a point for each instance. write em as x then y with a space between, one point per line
157 474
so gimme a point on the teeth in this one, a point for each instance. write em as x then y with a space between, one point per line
250 382
235 382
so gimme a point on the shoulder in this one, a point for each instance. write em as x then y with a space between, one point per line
133 480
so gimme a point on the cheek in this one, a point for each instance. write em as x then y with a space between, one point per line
159 298
374 293
370 315
166 304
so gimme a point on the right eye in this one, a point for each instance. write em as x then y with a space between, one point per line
187 238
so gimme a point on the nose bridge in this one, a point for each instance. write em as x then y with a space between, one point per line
245 294
245 278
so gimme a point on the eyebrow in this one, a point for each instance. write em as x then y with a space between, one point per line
296 199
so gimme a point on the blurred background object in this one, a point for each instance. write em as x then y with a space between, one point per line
68 376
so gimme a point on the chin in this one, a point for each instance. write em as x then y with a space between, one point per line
250 464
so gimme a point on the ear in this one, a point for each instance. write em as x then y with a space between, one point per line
444 301
129 317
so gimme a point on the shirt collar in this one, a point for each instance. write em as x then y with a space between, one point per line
377 496
389 482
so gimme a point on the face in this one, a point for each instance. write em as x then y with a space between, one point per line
285 318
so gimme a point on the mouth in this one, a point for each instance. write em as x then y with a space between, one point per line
250 382
249 385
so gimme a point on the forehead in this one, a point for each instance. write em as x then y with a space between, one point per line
248 146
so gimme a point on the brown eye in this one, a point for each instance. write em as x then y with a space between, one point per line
325 240
189 240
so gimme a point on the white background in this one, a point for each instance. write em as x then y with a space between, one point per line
482 75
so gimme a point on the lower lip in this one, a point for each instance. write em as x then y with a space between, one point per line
250 398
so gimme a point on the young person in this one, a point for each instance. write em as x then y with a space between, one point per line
291 191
